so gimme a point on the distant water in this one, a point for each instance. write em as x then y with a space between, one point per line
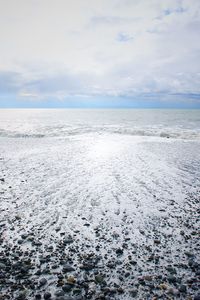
181 124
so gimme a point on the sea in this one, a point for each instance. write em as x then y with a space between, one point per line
172 123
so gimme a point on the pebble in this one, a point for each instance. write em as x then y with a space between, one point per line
172 279
119 251
67 288
87 266
68 268
99 279
157 242
68 241
2 266
76 291
71 280
47 295
59 293
173 291
148 277
42 281
21 266
171 270
163 286
133 262
183 288
133 293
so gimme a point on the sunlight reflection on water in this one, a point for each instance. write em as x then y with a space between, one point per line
104 148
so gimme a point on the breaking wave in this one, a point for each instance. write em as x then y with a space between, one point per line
64 131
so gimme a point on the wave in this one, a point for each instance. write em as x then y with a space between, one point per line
15 134
58 131
172 133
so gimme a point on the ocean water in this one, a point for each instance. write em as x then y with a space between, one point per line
109 179
184 124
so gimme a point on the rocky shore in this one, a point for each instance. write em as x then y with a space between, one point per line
66 234
112 267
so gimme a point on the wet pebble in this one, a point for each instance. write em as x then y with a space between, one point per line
171 279
183 288
67 288
42 281
119 251
47 295
67 268
59 293
2 266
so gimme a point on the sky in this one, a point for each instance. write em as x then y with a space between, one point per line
100 53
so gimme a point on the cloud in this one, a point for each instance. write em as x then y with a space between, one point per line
102 48
123 37
9 82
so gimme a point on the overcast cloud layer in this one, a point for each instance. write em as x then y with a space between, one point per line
98 50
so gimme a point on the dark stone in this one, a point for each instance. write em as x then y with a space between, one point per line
59 293
198 272
37 243
68 241
54 267
195 265
76 291
120 290
68 268
119 251
190 262
24 270
189 254
197 297
38 272
43 260
133 293
60 282
2 266
24 236
42 281
172 279
133 262
157 242
99 279
141 281
21 296
171 270
67 288
50 248
87 266
46 271
20 242
47 295
183 288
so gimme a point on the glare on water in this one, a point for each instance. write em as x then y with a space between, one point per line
104 148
